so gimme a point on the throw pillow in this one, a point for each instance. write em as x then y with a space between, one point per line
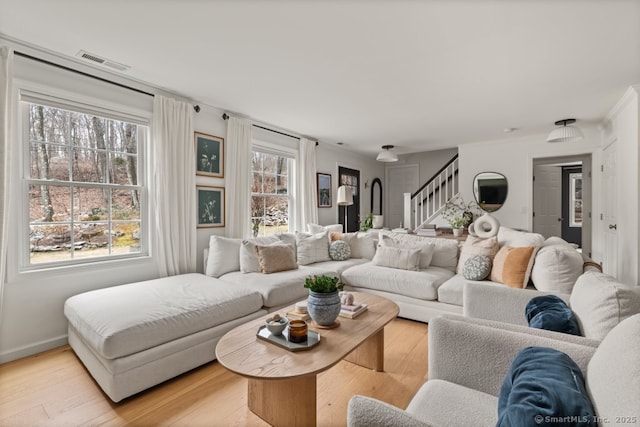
600 302
312 248
339 250
405 259
551 313
517 239
477 246
512 266
556 268
426 247
543 382
362 245
223 256
445 253
317 228
289 239
248 256
335 235
276 258
477 267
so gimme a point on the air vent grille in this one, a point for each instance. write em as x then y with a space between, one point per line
102 61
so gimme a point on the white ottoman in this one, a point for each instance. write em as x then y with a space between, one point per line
134 336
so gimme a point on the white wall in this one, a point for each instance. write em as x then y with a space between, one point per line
328 158
209 120
429 162
623 126
514 159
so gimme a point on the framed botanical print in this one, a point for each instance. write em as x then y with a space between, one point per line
210 202
323 183
209 155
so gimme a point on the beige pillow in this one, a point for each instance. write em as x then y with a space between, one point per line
512 266
393 257
426 247
312 248
445 253
477 246
248 255
600 302
276 258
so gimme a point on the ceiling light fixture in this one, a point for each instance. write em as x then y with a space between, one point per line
386 155
565 133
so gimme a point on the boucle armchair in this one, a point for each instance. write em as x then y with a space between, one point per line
468 363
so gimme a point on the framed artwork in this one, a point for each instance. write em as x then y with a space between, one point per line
209 155
210 202
323 182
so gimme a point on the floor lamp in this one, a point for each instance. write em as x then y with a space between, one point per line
345 198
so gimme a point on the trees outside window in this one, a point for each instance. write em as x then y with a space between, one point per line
82 185
270 195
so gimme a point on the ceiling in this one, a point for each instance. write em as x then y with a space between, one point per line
420 75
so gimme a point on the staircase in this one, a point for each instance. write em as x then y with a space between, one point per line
425 205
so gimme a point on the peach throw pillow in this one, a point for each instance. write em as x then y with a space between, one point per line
276 258
512 266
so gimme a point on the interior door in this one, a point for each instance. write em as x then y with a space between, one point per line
609 211
350 178
572 212
547 196
400 180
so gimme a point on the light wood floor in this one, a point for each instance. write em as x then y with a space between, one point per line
54 389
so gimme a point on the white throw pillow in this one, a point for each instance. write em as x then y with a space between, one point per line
426 248
518 239
600 302
223 256
394 257
249 262
317 228
445 252
362 245
289 239
556 268
312 248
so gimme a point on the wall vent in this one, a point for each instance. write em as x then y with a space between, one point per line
102 61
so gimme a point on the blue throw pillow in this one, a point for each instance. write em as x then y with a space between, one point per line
544 387
551 313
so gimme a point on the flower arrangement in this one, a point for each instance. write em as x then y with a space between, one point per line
458 213
323 284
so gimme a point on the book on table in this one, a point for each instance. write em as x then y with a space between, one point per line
352 311
298 315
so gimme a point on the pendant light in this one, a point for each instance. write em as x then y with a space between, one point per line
386 155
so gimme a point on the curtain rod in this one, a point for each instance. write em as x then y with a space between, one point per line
64 67
225 116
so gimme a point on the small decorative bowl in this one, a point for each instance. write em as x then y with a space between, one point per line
278 326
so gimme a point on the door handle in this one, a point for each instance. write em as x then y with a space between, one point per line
560 219
613 226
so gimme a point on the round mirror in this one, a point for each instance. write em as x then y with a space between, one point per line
490 190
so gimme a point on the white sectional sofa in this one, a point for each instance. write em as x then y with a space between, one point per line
134 336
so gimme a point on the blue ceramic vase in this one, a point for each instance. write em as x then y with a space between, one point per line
324 308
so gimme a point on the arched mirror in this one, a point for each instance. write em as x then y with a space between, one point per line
490 190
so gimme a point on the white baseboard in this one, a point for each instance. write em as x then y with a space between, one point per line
32 349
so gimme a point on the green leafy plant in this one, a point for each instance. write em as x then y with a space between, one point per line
458 213
323 284
367 223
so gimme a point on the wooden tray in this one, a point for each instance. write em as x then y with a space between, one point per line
313 339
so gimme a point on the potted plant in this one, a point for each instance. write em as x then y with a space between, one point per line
459 214
323 303
367 223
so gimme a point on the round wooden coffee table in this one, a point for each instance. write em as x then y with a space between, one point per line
282 384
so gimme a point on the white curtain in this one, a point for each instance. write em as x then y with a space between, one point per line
307 196
173 174
238 179
6 106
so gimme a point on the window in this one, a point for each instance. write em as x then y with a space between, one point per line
83 184
270 193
